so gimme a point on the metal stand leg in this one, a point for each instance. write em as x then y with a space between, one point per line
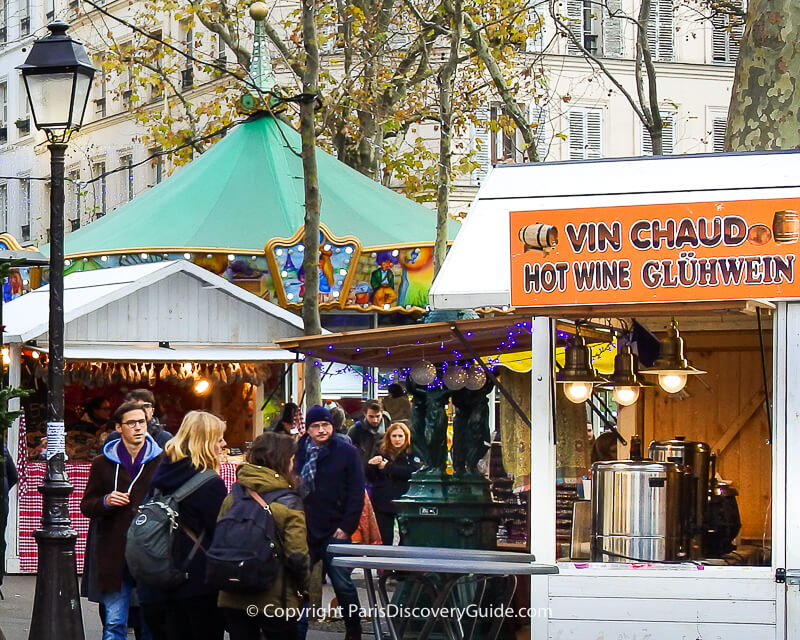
497 624
446 587
376 626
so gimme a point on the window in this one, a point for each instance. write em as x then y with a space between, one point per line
23 99
538 117
187 76
3 21
219 47
3 112
718 125
157 166
73 188
25 206
331 37
535 43
99 188
24 17
3 207
667 135
127 177
726 34
585 133
100 90
661 30
50 8
156 86
505 141
480 144
597 26
126 80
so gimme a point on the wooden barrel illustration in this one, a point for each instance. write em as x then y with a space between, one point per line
539 236
786 227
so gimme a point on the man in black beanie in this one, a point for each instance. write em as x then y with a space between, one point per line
332 478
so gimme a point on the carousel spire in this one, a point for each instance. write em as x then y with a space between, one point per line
262 75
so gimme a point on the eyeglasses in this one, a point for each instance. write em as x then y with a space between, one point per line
134 423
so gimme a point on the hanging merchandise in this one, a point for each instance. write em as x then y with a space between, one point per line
454 377
476 377
423 373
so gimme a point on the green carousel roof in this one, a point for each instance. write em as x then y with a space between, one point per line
247 189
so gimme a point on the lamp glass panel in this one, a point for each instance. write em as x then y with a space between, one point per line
577 392
672 382
626 396
50 95
83 84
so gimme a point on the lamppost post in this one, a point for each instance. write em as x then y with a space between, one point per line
58 76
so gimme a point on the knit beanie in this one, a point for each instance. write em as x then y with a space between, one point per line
318 414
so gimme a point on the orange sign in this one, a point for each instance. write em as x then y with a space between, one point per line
655 253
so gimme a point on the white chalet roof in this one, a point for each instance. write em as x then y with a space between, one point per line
124 312
477 270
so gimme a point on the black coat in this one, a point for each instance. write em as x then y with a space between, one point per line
198 513
392 481
338 496
366 440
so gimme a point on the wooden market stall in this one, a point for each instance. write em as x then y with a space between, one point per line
194 339
707 242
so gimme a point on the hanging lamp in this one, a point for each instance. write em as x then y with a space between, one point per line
625 383
672 367
578 375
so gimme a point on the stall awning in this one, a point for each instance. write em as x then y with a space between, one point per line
160 302
435 342
178 353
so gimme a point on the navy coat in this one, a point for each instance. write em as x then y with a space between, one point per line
338 496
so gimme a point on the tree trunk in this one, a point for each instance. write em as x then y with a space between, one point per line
765 105
311 320
446 77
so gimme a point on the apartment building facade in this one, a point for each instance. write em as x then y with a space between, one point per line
579 112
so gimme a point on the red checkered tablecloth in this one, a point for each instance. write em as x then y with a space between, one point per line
30 508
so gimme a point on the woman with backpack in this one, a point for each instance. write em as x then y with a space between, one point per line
189 611
268 474
389 473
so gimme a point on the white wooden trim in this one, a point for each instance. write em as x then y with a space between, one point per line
624 630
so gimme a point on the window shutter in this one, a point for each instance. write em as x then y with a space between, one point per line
666 30
585 134
594 134
667 136
576 134
612 29
718 133
575 17
535 43
725 39
481 144
538 116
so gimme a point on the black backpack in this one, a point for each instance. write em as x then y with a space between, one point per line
244 555
151 548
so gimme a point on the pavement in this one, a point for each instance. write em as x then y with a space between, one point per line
15 613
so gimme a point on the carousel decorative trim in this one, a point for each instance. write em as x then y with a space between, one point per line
10 243
336 260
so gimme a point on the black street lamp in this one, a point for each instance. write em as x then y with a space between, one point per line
58 76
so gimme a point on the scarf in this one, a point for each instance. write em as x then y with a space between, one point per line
309 470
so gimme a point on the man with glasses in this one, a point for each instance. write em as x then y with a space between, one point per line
119 481
154 427
332 486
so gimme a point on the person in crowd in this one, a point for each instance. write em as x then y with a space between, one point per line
8 475
397 403
339 418
366 434
269 468
604 447
287 421
390 472
95 418
119 480
189 612
154 427
332 486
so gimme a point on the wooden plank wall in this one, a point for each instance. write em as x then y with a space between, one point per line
711 404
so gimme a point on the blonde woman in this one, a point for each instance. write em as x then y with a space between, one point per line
189 612
389 473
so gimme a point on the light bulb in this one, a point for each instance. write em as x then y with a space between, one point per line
578 392
626 396
202 387
423 372
672 382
